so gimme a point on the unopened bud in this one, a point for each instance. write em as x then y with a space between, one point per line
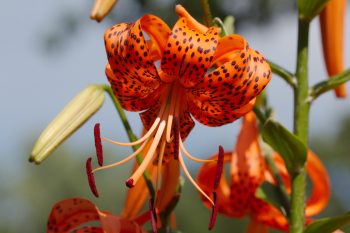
101 9
76 113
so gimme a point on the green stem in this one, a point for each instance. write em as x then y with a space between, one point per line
284 74
131 135
207 13
301 126
329 84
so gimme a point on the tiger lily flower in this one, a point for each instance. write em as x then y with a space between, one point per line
72 215
213 79
248 171
332 20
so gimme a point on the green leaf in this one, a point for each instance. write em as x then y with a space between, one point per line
270 194
308 9
289 146
328 225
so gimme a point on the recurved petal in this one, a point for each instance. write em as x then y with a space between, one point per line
321 190
132 72
231 87
228 47
189 53
71 213
132 94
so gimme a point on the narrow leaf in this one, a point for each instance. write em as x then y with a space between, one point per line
328 225
289 146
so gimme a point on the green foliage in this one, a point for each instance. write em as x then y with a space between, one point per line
328 225
289 146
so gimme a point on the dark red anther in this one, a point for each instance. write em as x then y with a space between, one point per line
91 177
130 183
214 213
98 144
153 216
219 166
176 132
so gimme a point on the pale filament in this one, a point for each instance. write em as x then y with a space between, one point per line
137 174
191 157
159 168
147 135
139 150
172 111
192 180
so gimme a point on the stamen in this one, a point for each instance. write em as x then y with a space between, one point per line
98 144
150 153
191 157
176 132
153 216
139 141
159 168
91 177
124 160
192 180
219 167
214 213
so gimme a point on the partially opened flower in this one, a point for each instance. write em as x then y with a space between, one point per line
332 20
236 198
213 79
73 215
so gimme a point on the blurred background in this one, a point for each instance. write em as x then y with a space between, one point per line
50 50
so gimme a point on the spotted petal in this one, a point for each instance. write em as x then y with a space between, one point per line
189 52
131 70
228 92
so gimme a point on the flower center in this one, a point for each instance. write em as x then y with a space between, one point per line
164 130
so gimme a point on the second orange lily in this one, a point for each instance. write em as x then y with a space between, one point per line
248 171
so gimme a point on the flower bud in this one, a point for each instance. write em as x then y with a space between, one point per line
308 9
101 9
76 113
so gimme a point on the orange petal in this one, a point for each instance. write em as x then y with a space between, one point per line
131 70
229 88
247 168
132 94
321 191
256 227
189 53
192 23
229 47
332 20
69 214
170 181
157 30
